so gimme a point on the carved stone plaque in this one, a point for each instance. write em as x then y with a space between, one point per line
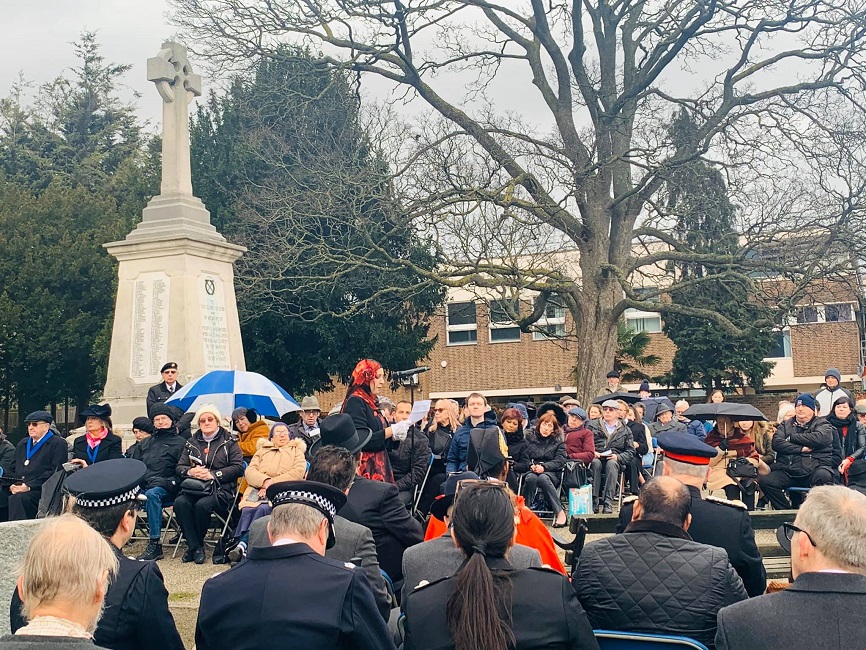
214 325
149 343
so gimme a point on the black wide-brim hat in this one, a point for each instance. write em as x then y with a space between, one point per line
339 430
487 449
558 412
325 498
100 411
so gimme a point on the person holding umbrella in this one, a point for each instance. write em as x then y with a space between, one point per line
738 463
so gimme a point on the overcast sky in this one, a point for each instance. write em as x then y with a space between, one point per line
37 36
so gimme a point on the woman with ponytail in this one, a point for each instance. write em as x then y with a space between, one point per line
489 605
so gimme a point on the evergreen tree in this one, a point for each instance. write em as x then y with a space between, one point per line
706 355
283 157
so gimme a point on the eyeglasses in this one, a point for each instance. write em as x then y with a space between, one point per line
609 408
790 529
466 482
204 419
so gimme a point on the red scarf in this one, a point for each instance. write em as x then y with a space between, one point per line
94 439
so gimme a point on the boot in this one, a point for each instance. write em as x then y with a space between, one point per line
152 552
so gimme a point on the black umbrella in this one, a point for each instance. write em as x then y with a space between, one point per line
628 398
651 406
731 409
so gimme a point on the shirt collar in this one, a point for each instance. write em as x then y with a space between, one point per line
54 626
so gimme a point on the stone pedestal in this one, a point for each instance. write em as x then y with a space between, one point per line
14 539
175 302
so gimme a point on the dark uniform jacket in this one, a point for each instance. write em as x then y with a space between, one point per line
377 506
653 578
53 453
290 597
410 459
789 440
222 456
109 447
546 612
819 610
159 393
161 452
136 615
724 524
620 442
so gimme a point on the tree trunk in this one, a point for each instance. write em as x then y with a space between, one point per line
596 336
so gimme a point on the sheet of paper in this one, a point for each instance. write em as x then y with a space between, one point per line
419 410
608 452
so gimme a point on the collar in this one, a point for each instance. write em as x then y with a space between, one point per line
493 563
285 541
826 581
54 626
695 492
658 527
280 552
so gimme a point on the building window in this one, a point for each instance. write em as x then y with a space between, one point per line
552 324
643 321
781 345
502 327
460 323
808 314
841 313
647 294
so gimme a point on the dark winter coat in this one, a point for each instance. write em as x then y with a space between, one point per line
410 459
7 464
548 452
638 432
850 438
224 459
653 578
621 441
580 444
459 449
439 438
791 437
109 447
161 452
365 417
517 449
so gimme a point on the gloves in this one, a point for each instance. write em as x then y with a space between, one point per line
399 430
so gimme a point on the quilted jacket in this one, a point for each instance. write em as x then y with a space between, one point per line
654 578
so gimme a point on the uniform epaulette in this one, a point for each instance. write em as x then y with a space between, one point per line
733 503
427 583
630 499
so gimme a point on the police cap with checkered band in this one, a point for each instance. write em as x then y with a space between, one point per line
107 483
325 498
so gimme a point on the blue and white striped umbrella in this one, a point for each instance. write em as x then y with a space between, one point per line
230 389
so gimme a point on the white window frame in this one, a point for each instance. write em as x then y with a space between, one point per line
821 311
500 326
468 327
786 344
635 314
556 321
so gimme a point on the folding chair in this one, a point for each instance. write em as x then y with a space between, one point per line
546 513
223 521
419 490
611 640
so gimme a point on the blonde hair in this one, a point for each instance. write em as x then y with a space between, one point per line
452 410
66 560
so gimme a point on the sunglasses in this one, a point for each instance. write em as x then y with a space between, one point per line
438 410
466 482
790 529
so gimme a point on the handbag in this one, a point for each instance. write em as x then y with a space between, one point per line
741 468
575 475
197 487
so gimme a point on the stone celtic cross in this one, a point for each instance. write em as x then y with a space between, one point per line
177 84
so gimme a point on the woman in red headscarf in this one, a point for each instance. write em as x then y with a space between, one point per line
368 378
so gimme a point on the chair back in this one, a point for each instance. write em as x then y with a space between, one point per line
611 640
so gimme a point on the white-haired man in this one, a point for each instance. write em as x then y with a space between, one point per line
825 606
62 592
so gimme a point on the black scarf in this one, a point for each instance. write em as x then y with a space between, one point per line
839 423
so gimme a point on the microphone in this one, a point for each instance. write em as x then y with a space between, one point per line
408 373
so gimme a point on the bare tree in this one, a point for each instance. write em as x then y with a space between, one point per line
575 208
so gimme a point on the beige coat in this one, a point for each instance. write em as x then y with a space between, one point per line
286 463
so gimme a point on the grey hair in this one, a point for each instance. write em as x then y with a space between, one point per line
66 560
295 520
835 518
681 402
686 469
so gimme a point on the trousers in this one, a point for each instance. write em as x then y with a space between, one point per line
194 513
611 474
547 483
774 484
156 497
24 505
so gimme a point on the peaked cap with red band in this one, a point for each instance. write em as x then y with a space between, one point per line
686 448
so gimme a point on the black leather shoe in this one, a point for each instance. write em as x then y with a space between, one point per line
189 555
153 551
198 555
